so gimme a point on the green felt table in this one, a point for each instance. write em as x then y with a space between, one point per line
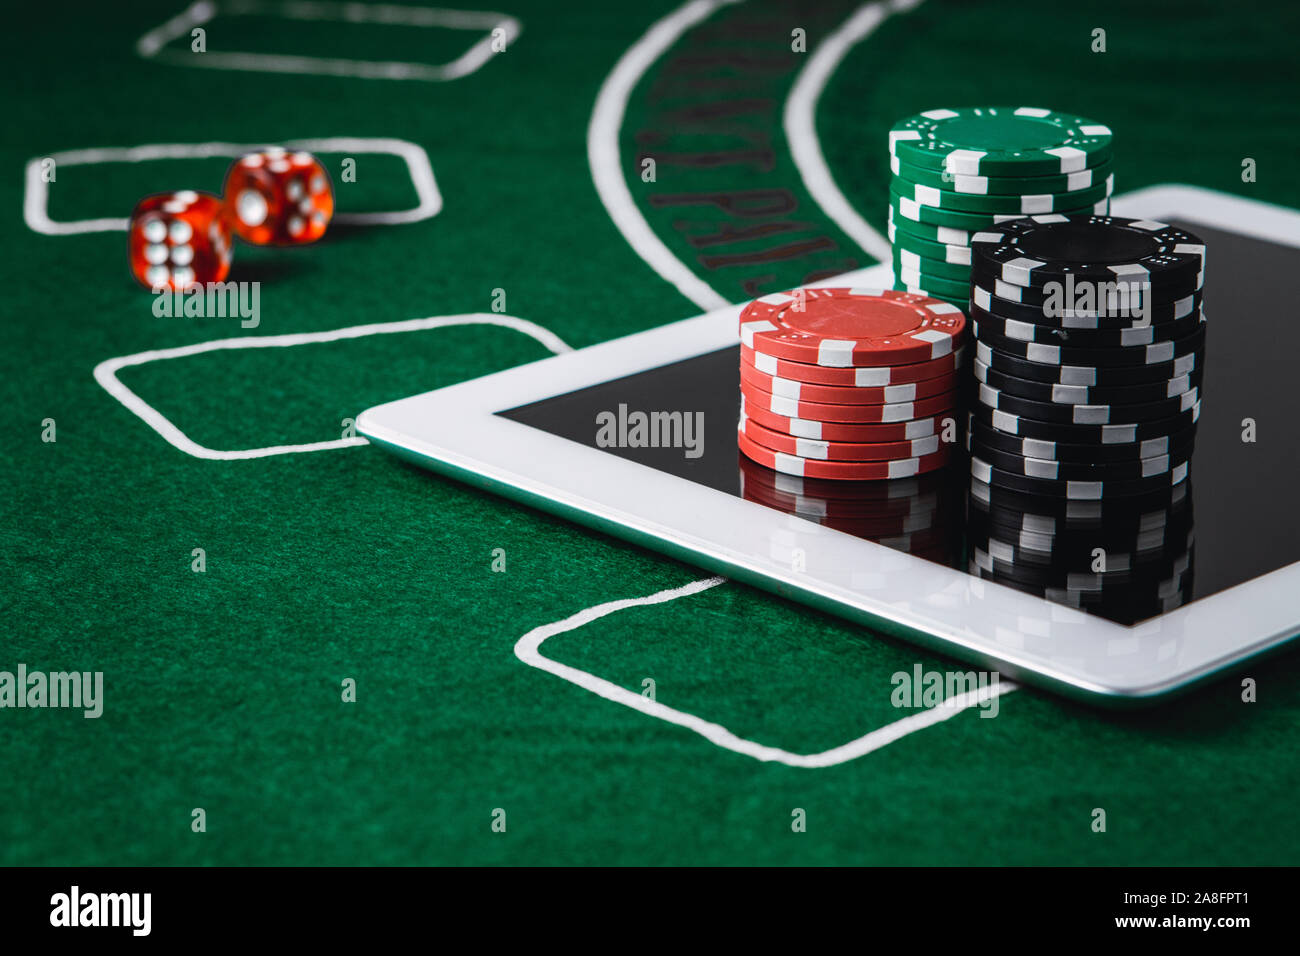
223 688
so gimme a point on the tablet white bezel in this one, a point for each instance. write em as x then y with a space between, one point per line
457 431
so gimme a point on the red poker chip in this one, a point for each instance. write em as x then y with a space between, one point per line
857 414
847 395
851 470
863 377
845 328
841 431
837 451
817 497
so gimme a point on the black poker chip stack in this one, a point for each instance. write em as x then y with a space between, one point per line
1090 352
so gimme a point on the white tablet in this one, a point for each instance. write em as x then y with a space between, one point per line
560 435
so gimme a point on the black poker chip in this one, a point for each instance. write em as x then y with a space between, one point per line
1079 471
994 398
988 436
1131 337
1083 295
1071 434
1088 376
1040 249
1118 357
1110 313
1071 489
1058 394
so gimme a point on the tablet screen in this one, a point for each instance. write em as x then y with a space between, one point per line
1232 520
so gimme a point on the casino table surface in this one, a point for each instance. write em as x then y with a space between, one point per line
223 687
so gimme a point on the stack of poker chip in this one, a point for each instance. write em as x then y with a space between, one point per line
848 384
1090 352
956 172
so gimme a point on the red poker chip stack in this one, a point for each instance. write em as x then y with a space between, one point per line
849 384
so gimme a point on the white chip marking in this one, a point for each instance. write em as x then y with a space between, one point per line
836 353
1072 158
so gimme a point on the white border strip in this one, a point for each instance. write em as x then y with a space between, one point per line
528 650
36 193
106 374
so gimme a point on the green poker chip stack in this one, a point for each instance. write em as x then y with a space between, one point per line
956 172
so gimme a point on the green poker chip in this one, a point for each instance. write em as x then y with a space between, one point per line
1001 141
942 235
913 211
1027 205
940 252
960 235
943 287
1001 185
905 260
905 208
960 301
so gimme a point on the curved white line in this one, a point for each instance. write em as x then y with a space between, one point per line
606 164
800 122
106 374
528 650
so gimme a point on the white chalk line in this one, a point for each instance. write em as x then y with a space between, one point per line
36 193
106 374
528 650
606 163
800 122
151 45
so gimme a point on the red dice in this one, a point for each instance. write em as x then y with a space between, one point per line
279 198
176 240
